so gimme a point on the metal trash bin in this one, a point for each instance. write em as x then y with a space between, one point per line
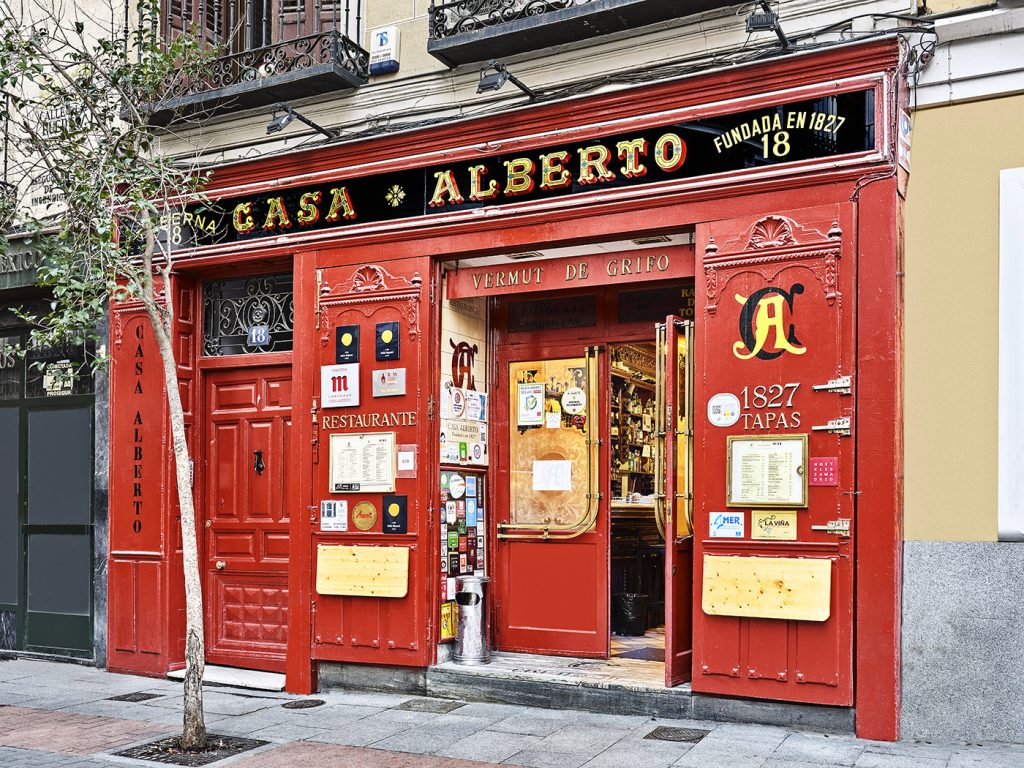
474 642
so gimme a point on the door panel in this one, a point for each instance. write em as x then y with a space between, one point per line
247 490
58 541
551 568
674 494
776 335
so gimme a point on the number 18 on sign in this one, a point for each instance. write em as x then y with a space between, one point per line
339 385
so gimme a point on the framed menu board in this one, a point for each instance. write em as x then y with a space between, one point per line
767 471
363 463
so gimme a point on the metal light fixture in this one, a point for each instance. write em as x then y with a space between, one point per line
495 75
767 21
282 115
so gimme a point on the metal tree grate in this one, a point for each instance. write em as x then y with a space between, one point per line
168 752
303 704
135 697
667 733
434 706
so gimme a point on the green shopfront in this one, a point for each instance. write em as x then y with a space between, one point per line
49 501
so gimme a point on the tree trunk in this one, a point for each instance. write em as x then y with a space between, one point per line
193 735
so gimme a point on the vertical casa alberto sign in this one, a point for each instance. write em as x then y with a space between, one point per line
815 128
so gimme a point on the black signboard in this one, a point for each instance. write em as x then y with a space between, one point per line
346 344
395 518
388 344
823 127
546 315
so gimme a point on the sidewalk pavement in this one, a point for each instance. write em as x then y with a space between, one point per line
54 714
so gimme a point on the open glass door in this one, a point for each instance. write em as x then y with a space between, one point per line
674 490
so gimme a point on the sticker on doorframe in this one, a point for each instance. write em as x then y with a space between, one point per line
726 525
723 409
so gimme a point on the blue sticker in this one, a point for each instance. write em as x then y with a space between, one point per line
471 513
471 485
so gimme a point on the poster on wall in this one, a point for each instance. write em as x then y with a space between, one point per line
464 427
363 463
530 399
462 498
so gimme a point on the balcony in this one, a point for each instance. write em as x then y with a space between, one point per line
473 31
270 51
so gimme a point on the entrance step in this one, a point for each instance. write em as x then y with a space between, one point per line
237 678
614 686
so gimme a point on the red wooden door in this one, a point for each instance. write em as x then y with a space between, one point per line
248 483
675 494
775 351
551 554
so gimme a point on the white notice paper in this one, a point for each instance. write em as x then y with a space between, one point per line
552 475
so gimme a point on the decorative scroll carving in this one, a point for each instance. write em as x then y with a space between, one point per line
711 278
370 287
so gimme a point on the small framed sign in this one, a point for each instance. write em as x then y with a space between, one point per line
767 471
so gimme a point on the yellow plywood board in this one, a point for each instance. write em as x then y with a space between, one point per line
767 587
362 571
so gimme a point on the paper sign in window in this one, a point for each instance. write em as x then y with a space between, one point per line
552 475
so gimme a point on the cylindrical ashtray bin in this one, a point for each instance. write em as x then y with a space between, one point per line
474 643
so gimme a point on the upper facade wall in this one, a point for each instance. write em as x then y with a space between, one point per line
426 90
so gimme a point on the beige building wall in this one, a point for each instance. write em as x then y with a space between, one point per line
952 316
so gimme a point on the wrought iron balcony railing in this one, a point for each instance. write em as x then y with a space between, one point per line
466 31
269 50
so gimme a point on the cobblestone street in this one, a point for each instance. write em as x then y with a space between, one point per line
61 715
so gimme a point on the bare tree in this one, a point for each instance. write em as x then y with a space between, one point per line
78 90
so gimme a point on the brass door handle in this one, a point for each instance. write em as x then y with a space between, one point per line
220 565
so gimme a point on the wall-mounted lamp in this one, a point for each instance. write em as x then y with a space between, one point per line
495 75
767 21
282 115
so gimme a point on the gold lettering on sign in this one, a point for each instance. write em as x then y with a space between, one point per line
368 420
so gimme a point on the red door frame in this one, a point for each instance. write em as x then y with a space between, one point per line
868 180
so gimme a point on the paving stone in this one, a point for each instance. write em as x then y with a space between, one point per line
219 703
580 740
431 737
981 757
365 698
633 753
360 733
533 722
885 760
819 748
722 756
543 759
489 746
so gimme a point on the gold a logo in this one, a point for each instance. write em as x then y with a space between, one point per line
762 319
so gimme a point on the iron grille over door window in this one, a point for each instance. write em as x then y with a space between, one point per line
248 314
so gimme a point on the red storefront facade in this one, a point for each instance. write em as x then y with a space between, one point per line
795 288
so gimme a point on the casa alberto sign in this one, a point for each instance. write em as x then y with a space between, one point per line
816 128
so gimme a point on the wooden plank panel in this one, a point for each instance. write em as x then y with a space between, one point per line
362 571
767 587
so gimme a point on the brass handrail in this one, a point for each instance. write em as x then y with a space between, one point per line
586 522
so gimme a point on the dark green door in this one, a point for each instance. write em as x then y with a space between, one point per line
46 503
